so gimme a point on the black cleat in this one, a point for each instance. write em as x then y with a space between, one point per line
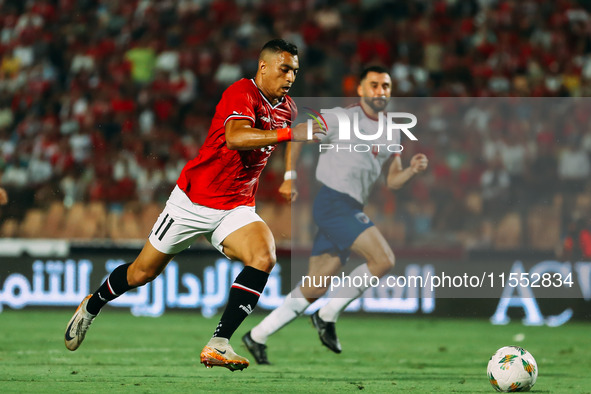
258 350
327 333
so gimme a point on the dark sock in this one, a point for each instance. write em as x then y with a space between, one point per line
115 285
244 295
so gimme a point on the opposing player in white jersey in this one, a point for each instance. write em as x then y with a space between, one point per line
347 178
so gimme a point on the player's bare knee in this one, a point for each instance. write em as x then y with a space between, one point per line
382 265
312 293
263 260
316 292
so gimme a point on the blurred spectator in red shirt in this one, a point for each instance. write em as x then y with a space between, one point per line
577 243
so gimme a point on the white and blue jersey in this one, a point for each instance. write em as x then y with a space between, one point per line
348 175
350 171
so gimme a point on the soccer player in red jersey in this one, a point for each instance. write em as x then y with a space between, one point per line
214 197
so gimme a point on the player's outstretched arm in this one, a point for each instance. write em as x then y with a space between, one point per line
240 135
288 188
398 176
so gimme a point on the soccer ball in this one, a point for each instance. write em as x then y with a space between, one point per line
512 368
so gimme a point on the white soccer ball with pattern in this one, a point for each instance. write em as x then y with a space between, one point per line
511 369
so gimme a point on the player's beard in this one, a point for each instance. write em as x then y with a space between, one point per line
377 104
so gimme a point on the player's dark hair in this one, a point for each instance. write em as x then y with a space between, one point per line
372 69
279 45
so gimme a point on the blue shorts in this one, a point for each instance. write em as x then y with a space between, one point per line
340 220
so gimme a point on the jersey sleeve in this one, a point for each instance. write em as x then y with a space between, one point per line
237 103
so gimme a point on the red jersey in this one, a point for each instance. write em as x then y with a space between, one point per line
221 178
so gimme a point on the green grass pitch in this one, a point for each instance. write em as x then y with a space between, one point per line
381 354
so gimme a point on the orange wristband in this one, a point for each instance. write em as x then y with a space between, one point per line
284 134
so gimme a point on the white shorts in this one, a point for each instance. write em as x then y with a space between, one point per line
182 221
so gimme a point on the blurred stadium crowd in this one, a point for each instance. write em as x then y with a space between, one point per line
103 101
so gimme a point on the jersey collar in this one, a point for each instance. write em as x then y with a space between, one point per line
366 114
265 98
